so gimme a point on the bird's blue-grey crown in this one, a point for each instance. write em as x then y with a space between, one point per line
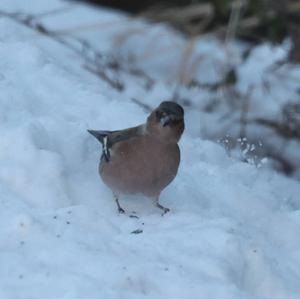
171 108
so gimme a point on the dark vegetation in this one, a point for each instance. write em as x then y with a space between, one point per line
259 20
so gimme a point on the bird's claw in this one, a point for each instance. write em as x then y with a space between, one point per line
121 211
166 210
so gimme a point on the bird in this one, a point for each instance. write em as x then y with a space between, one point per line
143 159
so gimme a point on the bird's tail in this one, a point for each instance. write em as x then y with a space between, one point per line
99 135
102 137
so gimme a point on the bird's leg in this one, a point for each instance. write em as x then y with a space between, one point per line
166 210
120 210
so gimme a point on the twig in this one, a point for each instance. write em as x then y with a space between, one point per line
181 13
90 56
145 107
119 86
54 11
91 26
234 20
244 112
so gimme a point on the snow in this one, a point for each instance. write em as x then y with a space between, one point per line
233 230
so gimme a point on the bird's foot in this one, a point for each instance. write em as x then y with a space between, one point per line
121 211
165 210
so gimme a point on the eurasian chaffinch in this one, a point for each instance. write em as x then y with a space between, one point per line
143 159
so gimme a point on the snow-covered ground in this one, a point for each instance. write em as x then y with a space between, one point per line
233 231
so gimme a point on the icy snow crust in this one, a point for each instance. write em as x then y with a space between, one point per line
233 230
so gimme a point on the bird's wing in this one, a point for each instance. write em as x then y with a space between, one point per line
109 138
123 135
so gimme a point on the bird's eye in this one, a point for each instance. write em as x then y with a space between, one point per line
160 114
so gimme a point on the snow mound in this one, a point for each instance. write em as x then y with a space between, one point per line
233 230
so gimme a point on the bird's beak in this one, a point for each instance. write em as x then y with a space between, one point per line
165 120
169 119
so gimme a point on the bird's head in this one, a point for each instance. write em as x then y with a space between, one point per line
167 121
